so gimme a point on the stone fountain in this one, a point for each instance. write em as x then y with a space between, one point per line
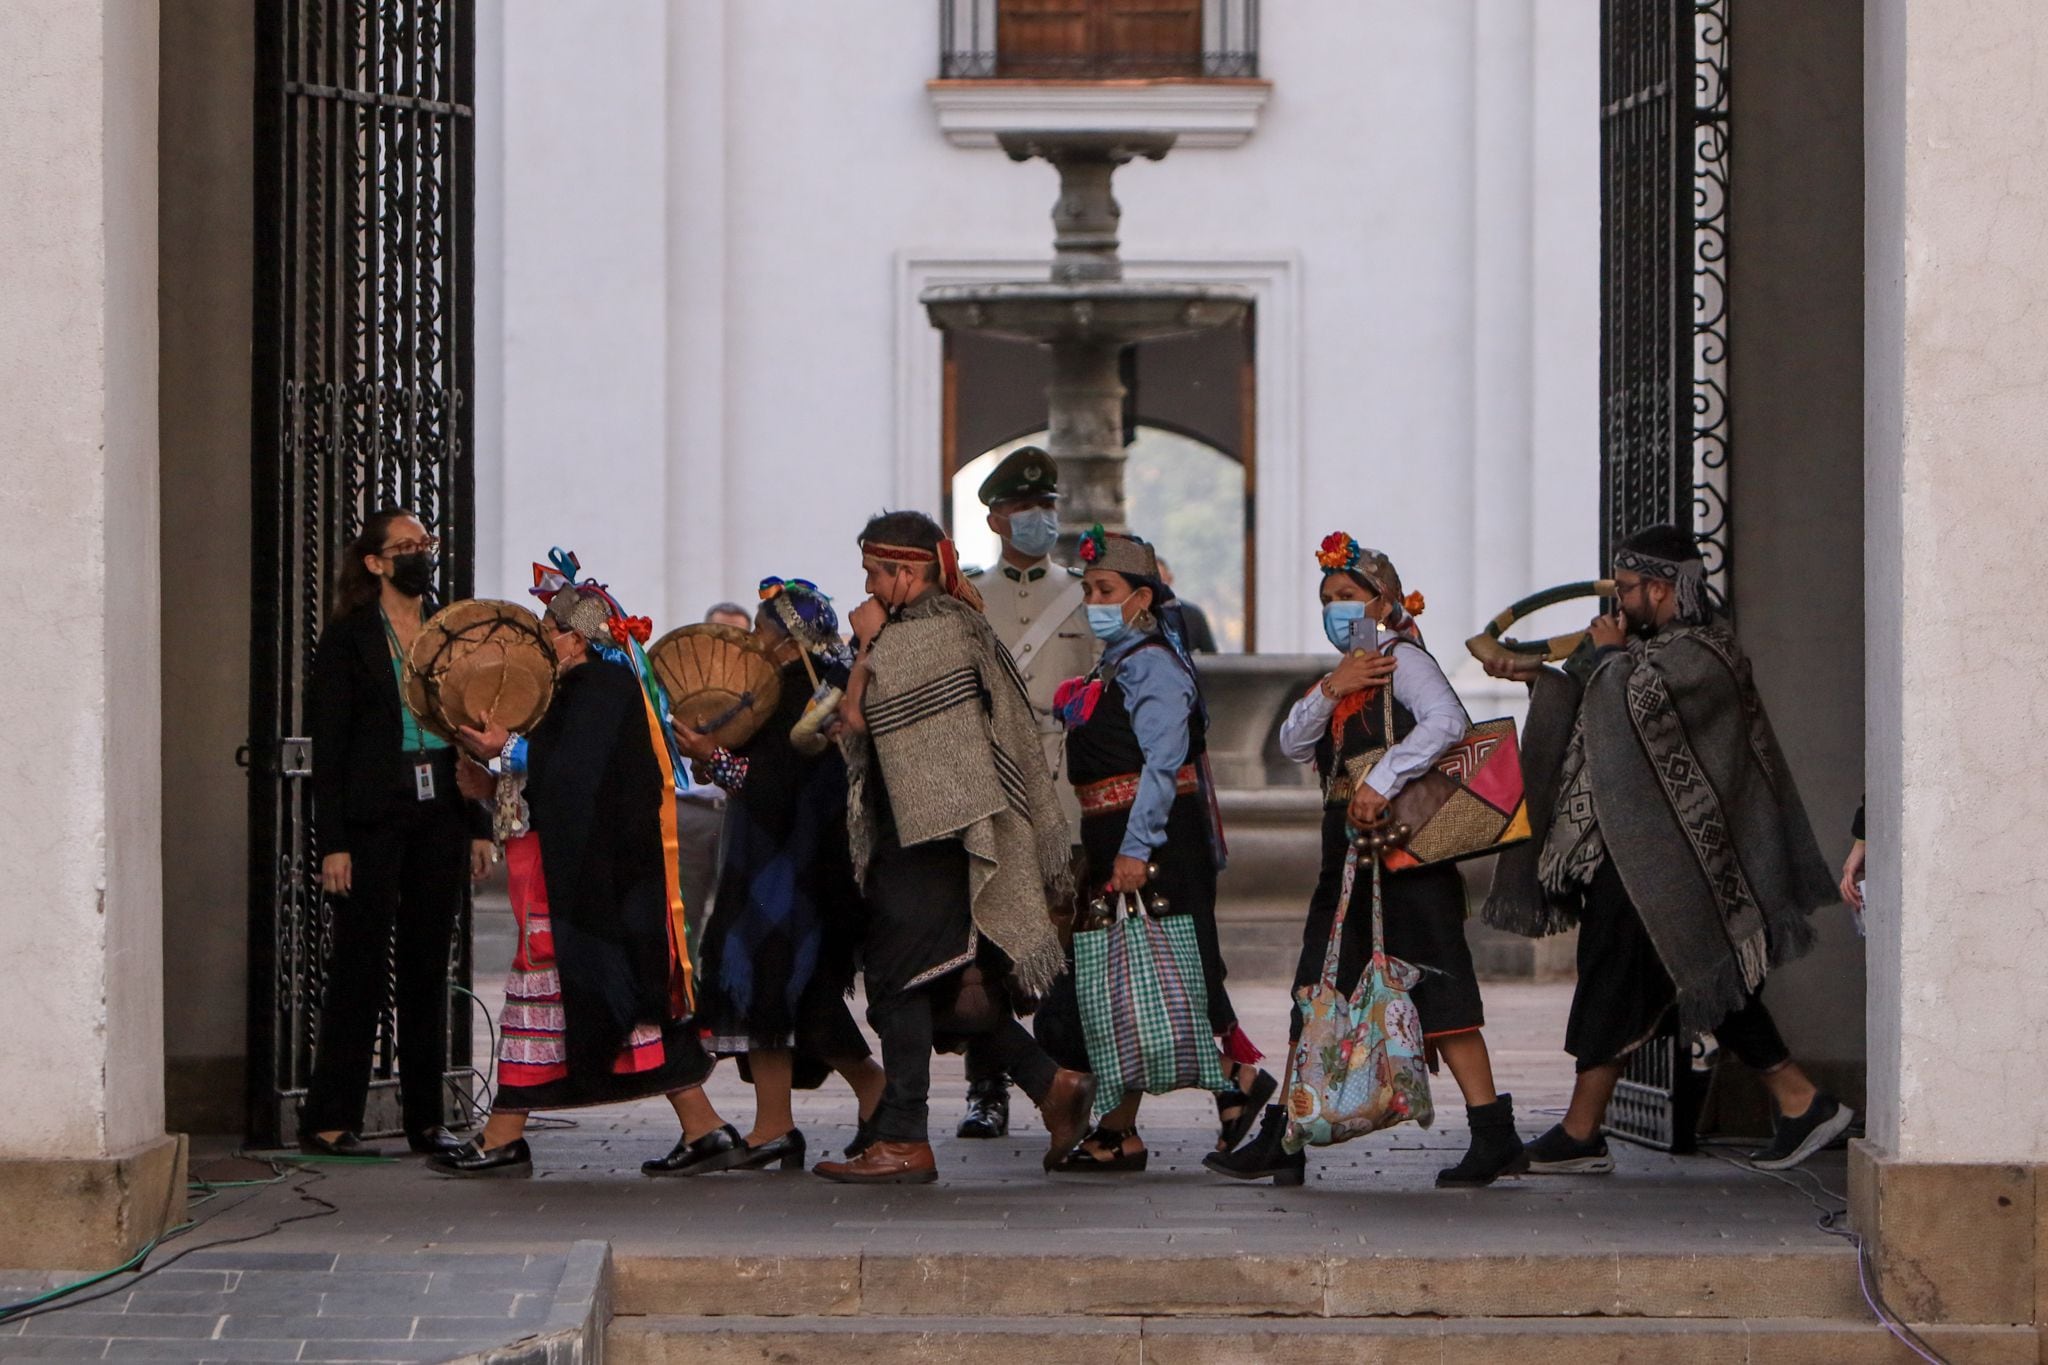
1086 313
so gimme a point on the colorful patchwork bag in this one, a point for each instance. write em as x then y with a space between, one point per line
1144 1008
1358 1066
1468 804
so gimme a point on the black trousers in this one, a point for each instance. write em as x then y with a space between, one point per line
1625 997
408 872
904 1022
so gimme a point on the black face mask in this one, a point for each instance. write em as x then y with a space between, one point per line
413 574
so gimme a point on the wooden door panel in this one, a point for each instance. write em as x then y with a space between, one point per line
1043 37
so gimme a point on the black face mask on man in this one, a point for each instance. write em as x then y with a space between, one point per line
413 574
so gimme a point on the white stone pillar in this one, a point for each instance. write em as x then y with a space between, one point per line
1956 370
86 1173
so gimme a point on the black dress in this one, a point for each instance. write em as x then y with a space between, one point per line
1104 748
777 957
596 792
1424 907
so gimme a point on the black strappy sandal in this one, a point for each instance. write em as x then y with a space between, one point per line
1079 1162
1237 1109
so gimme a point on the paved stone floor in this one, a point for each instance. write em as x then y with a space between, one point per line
396 1255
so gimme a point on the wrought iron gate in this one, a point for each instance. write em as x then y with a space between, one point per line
362 372
1663 348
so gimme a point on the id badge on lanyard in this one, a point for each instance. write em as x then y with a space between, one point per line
423 780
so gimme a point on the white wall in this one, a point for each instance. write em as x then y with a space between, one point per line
80 863
1957 176
717 399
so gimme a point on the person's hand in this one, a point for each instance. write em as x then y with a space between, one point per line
851 719
1852 873
1519 668
1368 808
1128 874
337 874
474 780
1358 672
486 741
482 853
867 620
1608 632
695 744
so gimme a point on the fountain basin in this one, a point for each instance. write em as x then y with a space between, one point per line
1103 311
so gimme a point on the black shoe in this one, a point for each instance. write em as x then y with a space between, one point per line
1238 1109
787 1151
348 1144
513 1159
988 1110
1559 1153
1114 1160
1264 1155
434 1141
721 1149
1495 1151
1794 1140
863 1138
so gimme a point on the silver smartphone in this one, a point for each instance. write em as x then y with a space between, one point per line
1369 635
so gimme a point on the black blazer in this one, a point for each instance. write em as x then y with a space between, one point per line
360 775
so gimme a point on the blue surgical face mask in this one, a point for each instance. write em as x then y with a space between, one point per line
1106 619
1034 531
1338 618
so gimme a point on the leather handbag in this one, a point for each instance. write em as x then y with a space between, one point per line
1469 804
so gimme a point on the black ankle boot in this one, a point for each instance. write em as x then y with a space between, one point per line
1495 1150
1264 1155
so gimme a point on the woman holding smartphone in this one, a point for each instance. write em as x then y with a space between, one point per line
1341 719
396 839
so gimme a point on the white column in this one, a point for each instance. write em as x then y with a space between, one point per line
696 452
1956 144
81 998
584 311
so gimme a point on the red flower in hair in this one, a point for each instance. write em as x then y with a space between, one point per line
1094 544
1338 551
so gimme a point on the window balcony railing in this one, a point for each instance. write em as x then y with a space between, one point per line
1092 40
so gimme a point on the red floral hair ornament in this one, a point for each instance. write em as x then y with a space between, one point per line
1093 543
1413 604
1338 553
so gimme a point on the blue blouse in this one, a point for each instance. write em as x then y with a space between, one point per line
1160 695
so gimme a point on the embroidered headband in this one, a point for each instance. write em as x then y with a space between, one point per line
1340 553
1687 576
874 553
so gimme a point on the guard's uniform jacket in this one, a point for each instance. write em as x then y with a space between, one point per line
1016 600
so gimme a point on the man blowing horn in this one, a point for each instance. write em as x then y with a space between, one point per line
1667 828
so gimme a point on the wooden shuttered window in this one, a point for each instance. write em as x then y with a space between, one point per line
1084 39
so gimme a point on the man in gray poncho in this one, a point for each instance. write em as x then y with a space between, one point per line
958 842
1667 827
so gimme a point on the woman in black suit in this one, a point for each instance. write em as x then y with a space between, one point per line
396 839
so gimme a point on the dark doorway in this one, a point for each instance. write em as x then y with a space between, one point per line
362 371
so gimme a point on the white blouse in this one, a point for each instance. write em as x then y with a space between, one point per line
1420 686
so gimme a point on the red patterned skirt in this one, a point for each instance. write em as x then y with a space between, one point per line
533 1054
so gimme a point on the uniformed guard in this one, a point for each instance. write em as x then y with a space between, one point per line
1035 606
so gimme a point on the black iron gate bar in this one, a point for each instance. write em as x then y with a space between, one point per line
362 360
1663 354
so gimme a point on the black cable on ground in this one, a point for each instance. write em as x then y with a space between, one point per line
60 1299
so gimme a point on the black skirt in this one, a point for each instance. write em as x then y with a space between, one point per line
919 922
1424 913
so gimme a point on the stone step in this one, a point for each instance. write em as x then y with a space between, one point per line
1352 1341
1819 1283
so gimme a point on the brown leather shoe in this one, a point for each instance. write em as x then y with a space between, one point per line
1065 1112
885 1163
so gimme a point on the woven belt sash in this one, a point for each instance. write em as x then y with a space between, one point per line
1121 792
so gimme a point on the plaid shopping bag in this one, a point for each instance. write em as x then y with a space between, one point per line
1359 1065
1144 1008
